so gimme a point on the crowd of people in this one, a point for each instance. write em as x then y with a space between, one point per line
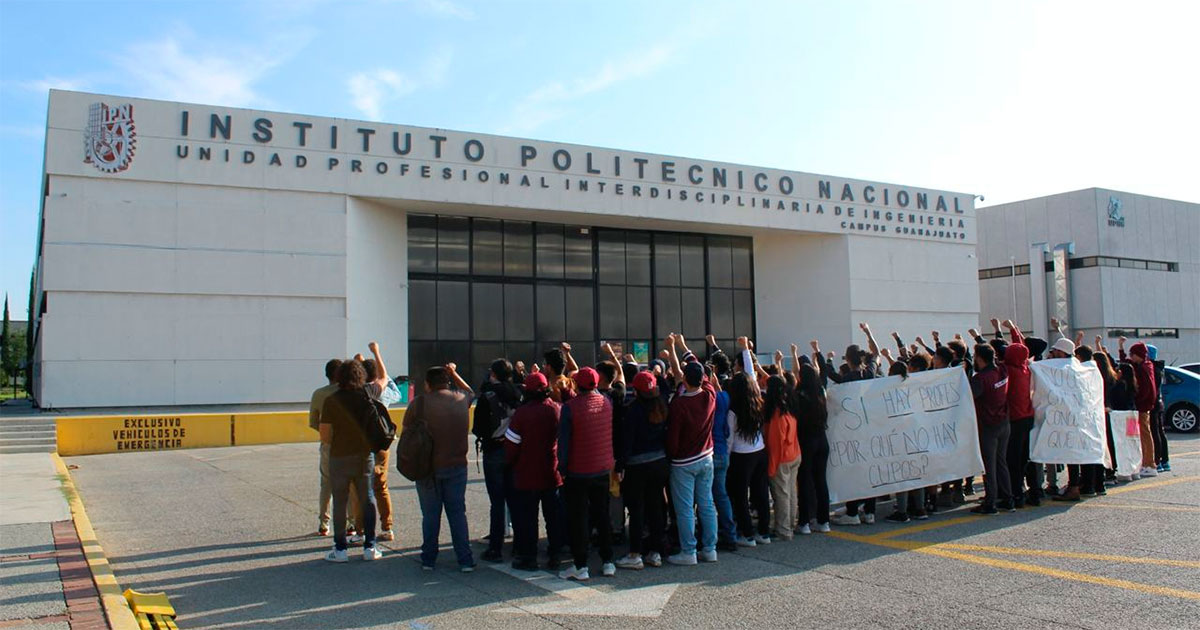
687 455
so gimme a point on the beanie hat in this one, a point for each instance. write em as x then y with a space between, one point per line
1152 352
1139 349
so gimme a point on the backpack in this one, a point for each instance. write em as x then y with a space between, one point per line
377 425
414 452
492 424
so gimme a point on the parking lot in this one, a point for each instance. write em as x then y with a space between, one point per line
227 534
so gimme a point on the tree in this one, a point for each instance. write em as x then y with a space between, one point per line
8 363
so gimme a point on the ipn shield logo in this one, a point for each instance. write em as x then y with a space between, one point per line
1116 218
110 138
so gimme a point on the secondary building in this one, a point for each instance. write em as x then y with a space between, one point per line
195 254
1108 263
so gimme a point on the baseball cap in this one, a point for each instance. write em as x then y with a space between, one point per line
586 378
536 382
644 382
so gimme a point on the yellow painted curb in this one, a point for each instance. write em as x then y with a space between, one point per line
116 609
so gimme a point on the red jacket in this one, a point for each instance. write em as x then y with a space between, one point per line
1016 364
782 443
585 435
531 443
1147 387
690 425
990 387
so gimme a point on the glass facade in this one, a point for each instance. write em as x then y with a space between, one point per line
486 288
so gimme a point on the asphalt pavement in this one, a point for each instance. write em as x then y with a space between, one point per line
228 535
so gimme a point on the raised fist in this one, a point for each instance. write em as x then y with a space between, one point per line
566 347
795 348
710 340
373 347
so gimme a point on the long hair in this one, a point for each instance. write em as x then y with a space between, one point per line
776 398
808 399
746 405
1106 369
1129 377
656 409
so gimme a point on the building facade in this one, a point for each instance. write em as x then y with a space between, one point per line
1111 264
194 254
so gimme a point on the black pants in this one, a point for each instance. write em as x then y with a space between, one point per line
1018 455
868 506
587 507
748 475
644 492
497 477
1086 476
524 505
1159 432
993 445
814 490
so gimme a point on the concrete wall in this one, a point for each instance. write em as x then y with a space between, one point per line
161 294
377 281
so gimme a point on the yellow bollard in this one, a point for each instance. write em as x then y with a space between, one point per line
152 610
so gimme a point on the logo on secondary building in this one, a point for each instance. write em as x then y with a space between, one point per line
1115 217
110 137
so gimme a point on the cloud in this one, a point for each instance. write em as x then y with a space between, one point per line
551 100
372 90
173 68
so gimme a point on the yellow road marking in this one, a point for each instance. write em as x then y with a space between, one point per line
1018 551
116 609
1187 454
1125 506
924 527
998 563
1153 484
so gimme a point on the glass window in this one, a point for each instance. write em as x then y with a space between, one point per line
482 355
666 311
692 309
579 313
637 312
453 311
584 352
518 249
720 263
742 273
578 246
422 355
549 250
691 261
611 257
551 314
454 236
666 260
487 247
526 352
637 258
612 312
422 243
518 312
1132 264
487 311
743 313
720 309
422 302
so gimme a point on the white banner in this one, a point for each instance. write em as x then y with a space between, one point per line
1068 404
1127 441
890 435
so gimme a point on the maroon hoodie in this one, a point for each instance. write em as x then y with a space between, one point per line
1147 388
1020 404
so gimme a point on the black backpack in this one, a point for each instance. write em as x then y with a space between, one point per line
492 415
414 453
377 426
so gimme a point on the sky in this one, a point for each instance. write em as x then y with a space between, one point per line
1006 99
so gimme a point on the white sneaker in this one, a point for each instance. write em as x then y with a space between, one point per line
371 553
746 542
823 528
762 540
869 518
355 539
708 556
1135 477
805 530
1149 472
631 563
654 559
1124 478
682 559
843 519
386 535
337 555
608 569
571 573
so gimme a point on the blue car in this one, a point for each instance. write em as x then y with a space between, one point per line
1181 398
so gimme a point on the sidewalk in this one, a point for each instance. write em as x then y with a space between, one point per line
45 583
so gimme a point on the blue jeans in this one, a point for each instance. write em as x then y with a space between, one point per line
497 478
343 470
691 487
725 525
447 490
